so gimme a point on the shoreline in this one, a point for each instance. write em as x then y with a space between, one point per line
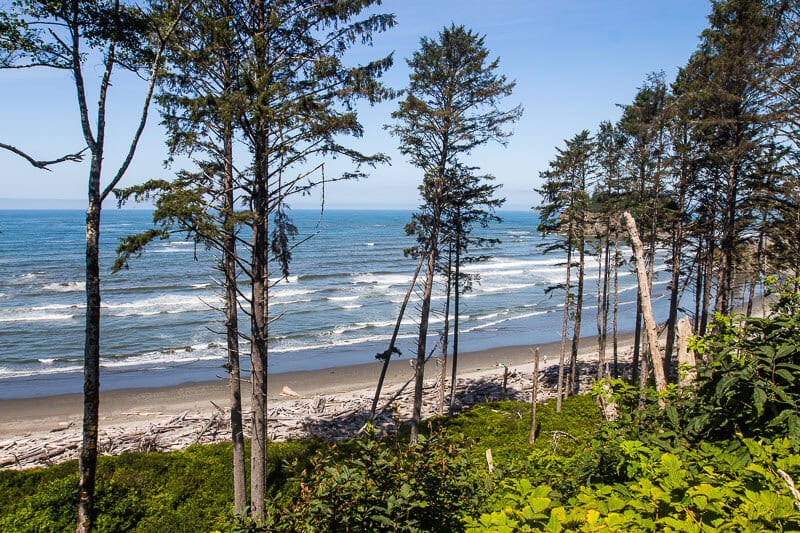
197 412
29 413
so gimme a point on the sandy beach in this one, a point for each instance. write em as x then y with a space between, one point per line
53 423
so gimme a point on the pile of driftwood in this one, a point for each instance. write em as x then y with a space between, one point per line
331 417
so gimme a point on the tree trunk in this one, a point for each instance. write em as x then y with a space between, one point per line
647 310
708 278
602 306
419 370
456 313
232 331
686 362
259 338
760 270
572 381
728 244
601 353
258 453
446 333
615 312
534 395
637 340
387 355
564 325
674 292
87 462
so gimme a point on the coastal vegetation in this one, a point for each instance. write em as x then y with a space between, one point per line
259 97
696 465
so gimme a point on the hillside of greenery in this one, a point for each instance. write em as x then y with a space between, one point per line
721 455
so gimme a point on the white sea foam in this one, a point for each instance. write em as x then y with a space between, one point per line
42 370
30 275
343 298
167 304
506 288
168 358
65 286
290 292
490 324
355 306
381 280
336 342
505 264
34 316
173 247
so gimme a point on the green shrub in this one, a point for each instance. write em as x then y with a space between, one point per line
750 383
388 485
731 487
49 507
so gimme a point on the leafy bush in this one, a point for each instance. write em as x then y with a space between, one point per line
712 488
388 485
750 384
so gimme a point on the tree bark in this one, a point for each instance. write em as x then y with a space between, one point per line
615 313
637 341
572 382
647 310
456 314
232 331
446 332
419 369
728 244
534 395
686 361
87 461
258 453
564 325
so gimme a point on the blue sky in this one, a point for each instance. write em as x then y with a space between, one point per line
573 61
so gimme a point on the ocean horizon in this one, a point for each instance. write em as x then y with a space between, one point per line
160 325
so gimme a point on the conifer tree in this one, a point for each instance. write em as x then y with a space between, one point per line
288 98
450 108
563 216
731 117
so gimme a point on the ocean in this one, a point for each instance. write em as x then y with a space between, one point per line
160 319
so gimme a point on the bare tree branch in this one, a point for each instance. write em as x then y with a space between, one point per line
77 157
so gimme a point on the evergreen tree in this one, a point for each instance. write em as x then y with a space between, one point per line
563 215
199 103
450 108
271 75
731 118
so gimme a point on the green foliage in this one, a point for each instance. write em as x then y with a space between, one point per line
711 488
749 383
189 491
387 485
50 507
